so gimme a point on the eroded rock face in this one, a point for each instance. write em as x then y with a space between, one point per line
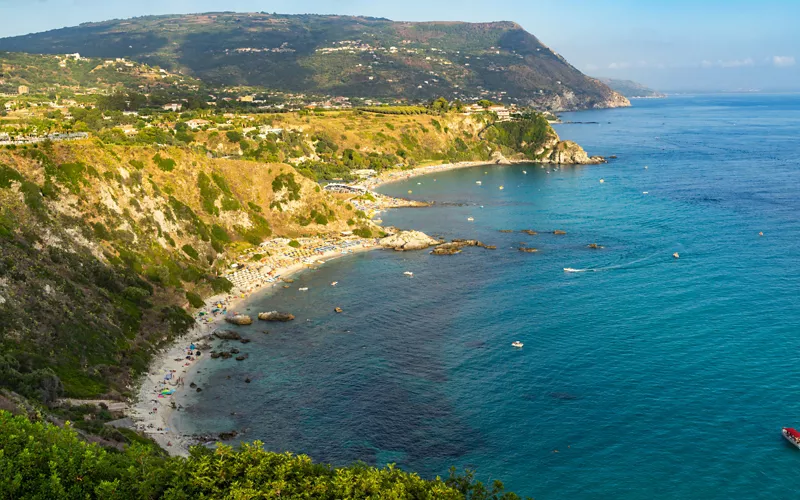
408 240
275 316
239 319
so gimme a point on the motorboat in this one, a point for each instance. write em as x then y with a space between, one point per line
303 289
517 344
571 270
478 182
334 283
525 172
501 187
408 273
792 436
470 219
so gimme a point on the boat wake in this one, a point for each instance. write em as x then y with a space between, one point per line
625 265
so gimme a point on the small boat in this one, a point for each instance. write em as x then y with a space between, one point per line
478 182
303 289
501 187
645 192
334 283
571 270
602 181
676 255
525 172
517 344
470 219
408 273
792 436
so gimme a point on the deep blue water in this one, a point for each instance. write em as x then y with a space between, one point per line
652 377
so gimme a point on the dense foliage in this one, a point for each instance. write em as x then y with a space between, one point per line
41 460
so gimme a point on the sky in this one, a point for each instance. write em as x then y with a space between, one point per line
678 45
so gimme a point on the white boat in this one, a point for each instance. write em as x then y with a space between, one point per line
517 344
792 436
478 182
408 273
571 270
303 289
525 172
470 219
501 187
334 283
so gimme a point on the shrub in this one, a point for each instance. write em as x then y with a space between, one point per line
220 285
294 244
165 164
195 300
190 251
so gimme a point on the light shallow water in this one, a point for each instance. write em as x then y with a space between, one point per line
652 377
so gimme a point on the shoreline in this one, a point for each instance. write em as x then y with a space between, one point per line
152 411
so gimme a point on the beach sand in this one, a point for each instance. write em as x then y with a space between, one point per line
399 175
152 411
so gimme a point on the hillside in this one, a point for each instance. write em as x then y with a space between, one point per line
340 55
631 89
100 244
57 73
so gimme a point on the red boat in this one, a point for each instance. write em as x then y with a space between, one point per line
791 435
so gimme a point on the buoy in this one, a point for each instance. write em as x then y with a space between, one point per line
676 255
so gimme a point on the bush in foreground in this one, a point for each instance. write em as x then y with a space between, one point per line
41 460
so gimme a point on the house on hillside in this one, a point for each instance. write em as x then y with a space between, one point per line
173 106
23 89
197 123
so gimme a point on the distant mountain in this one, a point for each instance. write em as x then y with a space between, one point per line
340 55
631 89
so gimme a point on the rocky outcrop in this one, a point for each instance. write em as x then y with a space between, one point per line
227 335
408 240
239 319
455 247
570 153
528 250
275 316
499 159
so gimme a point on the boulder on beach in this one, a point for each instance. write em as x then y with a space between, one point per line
275 316
408 240
239 319
227 335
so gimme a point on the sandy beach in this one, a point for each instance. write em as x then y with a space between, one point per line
173 369
399 175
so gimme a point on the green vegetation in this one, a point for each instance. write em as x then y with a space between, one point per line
294 244
41 460
194 299
287 181
165 164
527 135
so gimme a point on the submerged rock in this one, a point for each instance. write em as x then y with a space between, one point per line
506 230
558 231
275 316
529 231
242 357
239 319
408 240
528 250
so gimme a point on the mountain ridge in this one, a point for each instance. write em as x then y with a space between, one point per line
343 55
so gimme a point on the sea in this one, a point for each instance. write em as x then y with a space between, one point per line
642 375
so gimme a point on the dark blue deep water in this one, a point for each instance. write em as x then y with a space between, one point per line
652 377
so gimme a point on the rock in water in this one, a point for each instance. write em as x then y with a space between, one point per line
528 250
559 232
239 319
275 316
408 240
227 335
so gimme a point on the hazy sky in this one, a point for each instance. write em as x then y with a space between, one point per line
669 45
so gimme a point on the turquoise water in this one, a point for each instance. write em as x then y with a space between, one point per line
651 376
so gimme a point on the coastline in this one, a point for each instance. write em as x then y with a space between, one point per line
153 412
